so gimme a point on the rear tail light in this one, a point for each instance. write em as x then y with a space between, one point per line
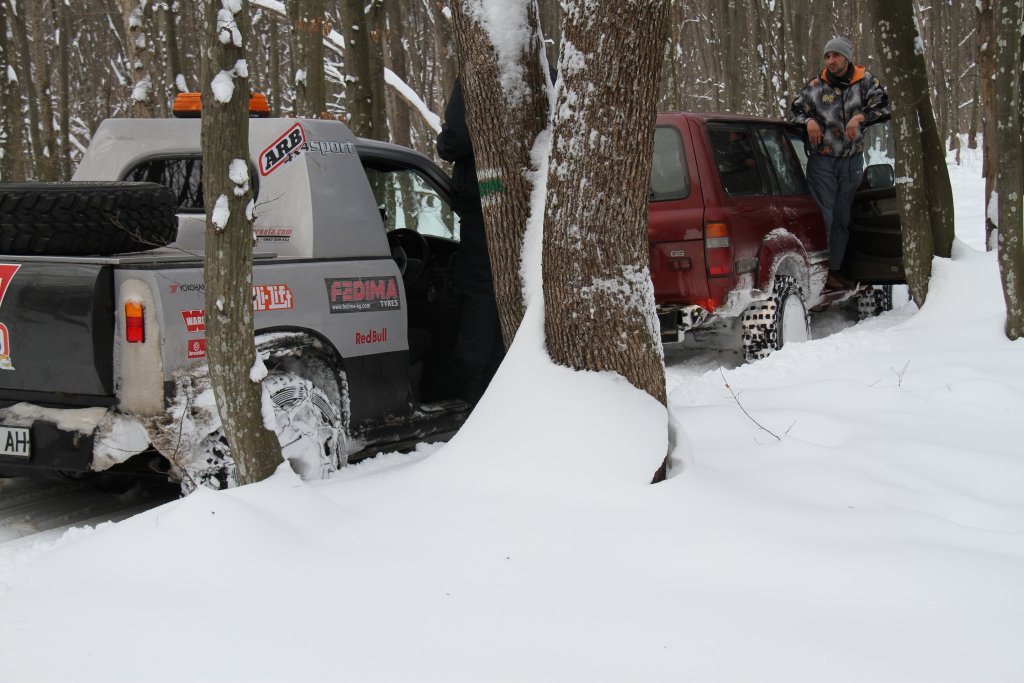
718 249
134 323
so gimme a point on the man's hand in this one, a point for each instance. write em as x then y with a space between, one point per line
814 132
853 126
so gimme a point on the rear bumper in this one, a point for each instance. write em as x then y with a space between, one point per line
52 448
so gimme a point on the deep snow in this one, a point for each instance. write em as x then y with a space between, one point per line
881 538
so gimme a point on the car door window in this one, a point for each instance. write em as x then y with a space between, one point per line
736 160
669 177
783 161
408 200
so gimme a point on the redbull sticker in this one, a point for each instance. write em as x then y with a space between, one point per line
282 149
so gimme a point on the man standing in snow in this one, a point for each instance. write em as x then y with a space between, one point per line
479 347
835 106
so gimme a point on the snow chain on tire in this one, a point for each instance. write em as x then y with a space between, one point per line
85 218
874 301
760 322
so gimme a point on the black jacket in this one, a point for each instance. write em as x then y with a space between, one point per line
455 145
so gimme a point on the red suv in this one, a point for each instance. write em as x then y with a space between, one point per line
738 251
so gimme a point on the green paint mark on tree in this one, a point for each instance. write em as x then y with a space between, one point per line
490 186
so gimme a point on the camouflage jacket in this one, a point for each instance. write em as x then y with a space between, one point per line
832 105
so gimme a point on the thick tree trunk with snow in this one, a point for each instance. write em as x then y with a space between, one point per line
923 197
505 112
138 21
307 31
599 311
1009 21
227 193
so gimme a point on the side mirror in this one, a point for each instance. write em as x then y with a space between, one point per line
878 176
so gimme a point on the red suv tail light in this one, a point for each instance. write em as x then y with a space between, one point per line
718 249
134 323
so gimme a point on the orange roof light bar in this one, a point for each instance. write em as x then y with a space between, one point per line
188 105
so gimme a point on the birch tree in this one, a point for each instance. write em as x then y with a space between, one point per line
1009 38
228 196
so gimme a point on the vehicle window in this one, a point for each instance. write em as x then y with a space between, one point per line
783 161
796 141
669 177
183 175
736 161
407 200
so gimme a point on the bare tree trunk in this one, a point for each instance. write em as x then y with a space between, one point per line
307 30
1009 20
987 67
364 71
228 271
174 60
12 165
62 155
904 69
597 285
276 94
18 21
504 123
400 124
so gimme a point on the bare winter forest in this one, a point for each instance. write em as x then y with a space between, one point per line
72 63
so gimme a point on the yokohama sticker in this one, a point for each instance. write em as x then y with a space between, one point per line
282 149
7 272
197 348
363 294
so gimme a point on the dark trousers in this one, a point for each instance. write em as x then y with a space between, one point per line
479 345
833 182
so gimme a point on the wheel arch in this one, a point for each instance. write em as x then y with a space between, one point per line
782 254
308 354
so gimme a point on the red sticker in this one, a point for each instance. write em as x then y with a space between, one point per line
282 149
197 348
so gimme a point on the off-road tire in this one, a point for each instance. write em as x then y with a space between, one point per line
308 423
766 327
874 301
85 218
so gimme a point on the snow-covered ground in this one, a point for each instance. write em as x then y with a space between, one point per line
855 513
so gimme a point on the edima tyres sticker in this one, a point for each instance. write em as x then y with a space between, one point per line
197 348
282 149
363 294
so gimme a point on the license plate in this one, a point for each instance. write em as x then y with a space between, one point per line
15 441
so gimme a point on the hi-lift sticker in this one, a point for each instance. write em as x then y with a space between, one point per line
282 149
7 272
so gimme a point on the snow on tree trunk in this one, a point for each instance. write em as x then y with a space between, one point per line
307 24
1009 21
229 239
138 21
504 85
599 311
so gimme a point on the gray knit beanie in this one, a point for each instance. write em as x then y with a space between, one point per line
840 45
